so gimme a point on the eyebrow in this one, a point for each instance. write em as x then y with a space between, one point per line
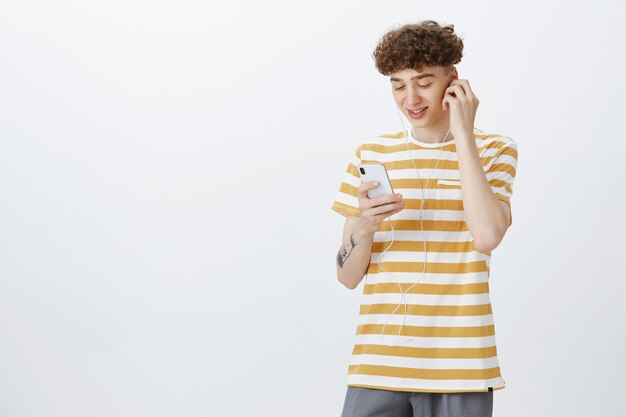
417 76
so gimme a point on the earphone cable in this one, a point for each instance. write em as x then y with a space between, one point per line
424 240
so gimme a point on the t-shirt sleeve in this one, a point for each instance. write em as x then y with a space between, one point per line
501 172
346 200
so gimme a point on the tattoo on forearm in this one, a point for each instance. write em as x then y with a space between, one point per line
346 250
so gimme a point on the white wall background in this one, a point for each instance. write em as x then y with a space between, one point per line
167 168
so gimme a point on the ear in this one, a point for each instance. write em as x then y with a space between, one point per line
451 76
454 75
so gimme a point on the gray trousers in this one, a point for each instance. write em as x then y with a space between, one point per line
368 402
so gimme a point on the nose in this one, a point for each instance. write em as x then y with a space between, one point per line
413 97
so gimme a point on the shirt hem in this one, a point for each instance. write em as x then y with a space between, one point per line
425 389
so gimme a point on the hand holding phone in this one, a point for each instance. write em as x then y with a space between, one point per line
377 200
376 172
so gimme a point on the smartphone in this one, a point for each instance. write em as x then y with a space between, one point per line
376 172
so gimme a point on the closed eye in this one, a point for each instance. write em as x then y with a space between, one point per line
420 86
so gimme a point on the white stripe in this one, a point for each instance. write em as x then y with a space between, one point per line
492 152
431 257
431 193
496 139
502 191
427 299
428 321
433 236
413 214
430 173
504 159
499 175
424 363
347 199
403 155
455 182
425 384
348 178
426 342
489 152
378 140
428 278
479 139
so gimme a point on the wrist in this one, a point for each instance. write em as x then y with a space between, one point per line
363 231
466 141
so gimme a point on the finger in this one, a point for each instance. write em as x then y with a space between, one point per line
368 185
449 100
385 199
468 90
381 201
380 217
384 210
365 187
465 84
460 93
449 92
460 81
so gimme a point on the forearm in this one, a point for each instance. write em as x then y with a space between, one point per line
354 257
484 216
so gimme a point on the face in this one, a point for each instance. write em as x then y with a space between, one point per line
414 90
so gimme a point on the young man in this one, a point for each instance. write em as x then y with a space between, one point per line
425 343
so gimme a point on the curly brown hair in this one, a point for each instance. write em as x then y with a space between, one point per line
417 45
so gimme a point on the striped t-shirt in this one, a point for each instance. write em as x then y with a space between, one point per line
447 341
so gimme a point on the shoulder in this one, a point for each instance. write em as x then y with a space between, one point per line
382 142
492 144
493 140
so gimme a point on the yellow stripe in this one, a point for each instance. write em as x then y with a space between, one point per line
431 164
500 183
392 135
413 183
442 289
499 197
354 170
426 310
431 267
425 331
423 163
345 209
503 168
490 135
349 189
509 151
426 184
413 225
401 147
431 204
415 352
440 374
419 163
415 246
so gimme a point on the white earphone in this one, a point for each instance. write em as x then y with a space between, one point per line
421 216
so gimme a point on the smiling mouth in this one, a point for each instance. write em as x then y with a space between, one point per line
418 111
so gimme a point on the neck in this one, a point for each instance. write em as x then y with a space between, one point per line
435 132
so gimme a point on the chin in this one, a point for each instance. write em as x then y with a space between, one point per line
419 123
